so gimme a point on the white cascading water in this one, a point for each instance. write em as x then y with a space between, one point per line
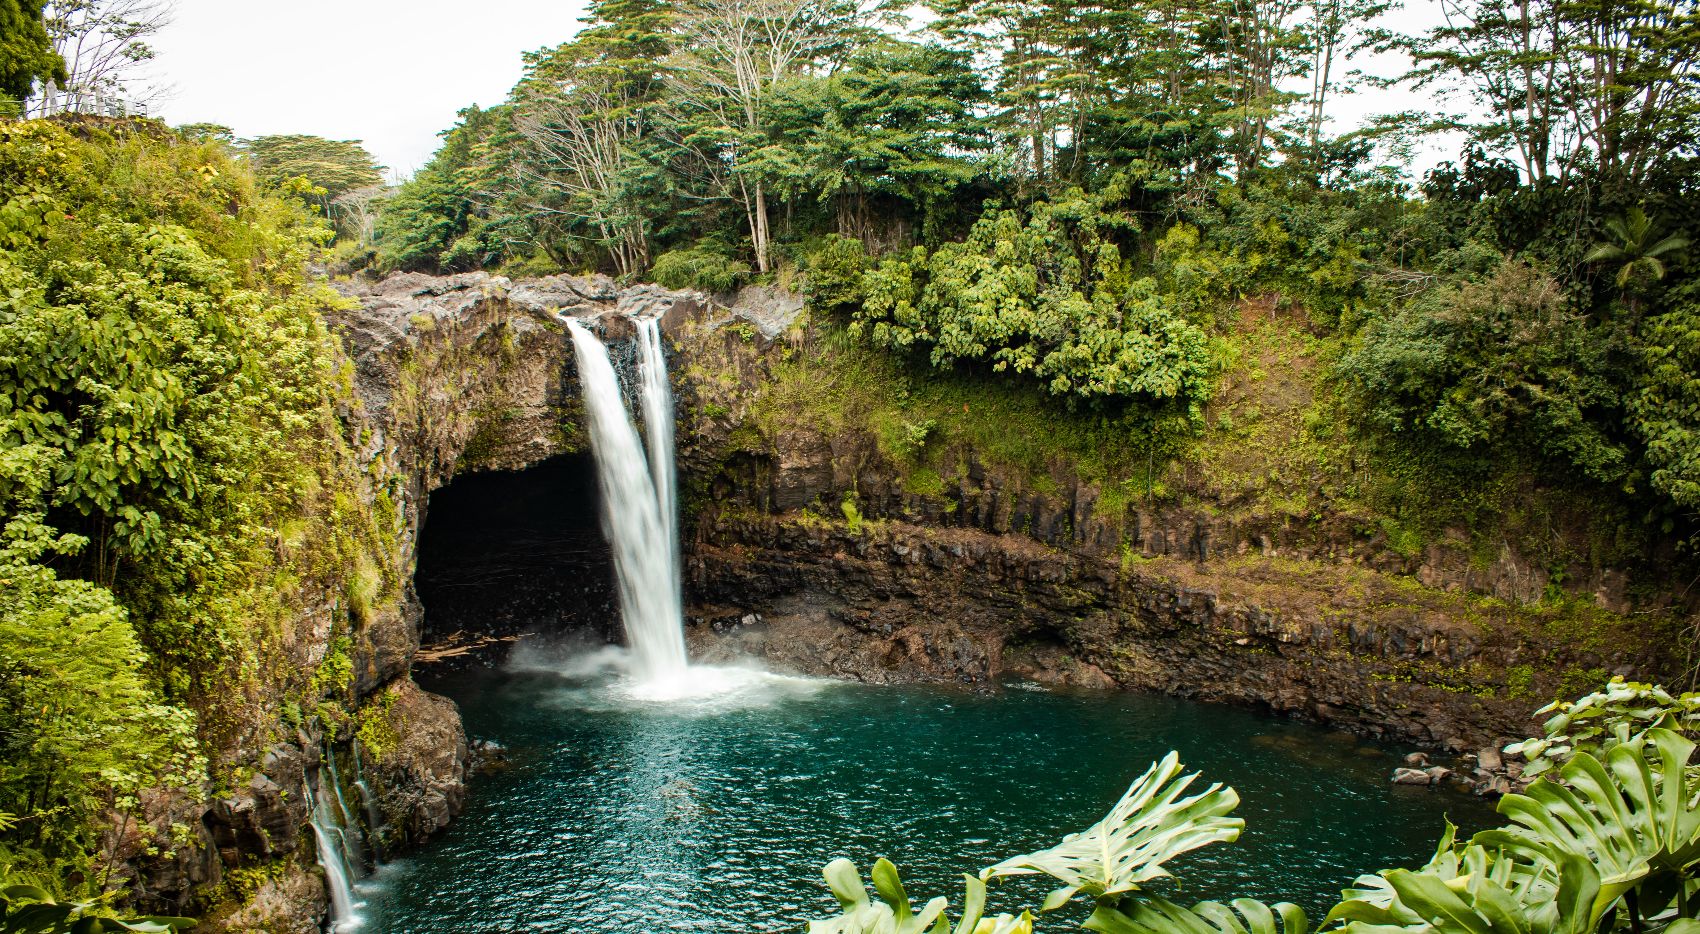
369 802
332 859
656 395
640 535
353 849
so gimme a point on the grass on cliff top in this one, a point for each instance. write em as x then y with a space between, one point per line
1278 446
926 422
1280 443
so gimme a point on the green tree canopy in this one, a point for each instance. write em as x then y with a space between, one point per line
26 53
337 166
1501 364
1048 292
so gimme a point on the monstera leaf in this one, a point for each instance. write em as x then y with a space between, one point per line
1632 815
1149 826
1481 892
893 913
1377 901
1574 849
1160 916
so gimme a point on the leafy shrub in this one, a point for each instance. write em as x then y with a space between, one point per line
707 267
1664 406
1622 712
1047 293
80 728
852 513
1494 364
835 273
1309 247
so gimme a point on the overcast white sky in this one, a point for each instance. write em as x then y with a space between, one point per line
389 72
394 72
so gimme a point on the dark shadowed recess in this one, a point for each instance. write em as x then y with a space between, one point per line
517 552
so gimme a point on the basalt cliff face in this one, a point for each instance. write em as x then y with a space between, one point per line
814 546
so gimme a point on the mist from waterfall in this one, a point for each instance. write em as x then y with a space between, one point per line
637 504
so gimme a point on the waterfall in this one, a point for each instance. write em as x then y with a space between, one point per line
339 876
373 820
369 803
657 398
352 849
633 505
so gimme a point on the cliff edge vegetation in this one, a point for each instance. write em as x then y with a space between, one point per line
174 483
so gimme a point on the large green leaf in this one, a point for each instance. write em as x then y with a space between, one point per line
1632 815
892 913
1622 821
1160 916
30 909
1474 890
1149 826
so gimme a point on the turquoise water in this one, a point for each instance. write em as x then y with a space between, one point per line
619 816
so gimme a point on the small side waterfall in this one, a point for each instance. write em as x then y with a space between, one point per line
373 820
640 533
333 859
369 803
347 828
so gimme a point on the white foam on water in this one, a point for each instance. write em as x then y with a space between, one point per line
609 678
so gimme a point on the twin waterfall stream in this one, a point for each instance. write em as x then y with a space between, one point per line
639 502
640 518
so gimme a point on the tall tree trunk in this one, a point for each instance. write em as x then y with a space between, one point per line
1038 131
761 229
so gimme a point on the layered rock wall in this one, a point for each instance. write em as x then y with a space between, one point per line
814 548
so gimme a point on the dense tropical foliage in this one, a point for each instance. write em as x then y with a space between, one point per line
166 416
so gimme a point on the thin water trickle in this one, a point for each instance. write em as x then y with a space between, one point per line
645 558
369 804
339 875
353 848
